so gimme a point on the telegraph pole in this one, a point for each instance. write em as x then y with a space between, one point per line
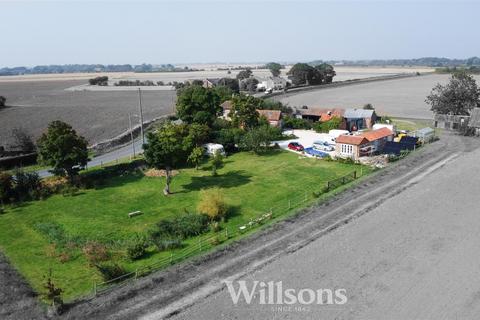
141 115
131 133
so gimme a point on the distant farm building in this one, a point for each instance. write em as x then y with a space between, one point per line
358 119
274 117
450 122
474 122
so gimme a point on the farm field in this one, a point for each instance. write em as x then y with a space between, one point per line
398 98
251 184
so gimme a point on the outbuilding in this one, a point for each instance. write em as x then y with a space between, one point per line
348 146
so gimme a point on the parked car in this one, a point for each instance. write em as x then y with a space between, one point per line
316 153
295 146
212 148
322 146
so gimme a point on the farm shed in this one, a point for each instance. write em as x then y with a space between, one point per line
378 138
348 146
425 135
357 119
450 121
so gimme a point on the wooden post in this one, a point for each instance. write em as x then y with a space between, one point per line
171 257
289 204
200 244
355 174
306 196
226 233
136 274
95 288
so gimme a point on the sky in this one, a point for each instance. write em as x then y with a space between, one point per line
158 32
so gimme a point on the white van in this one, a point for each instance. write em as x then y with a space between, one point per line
212 148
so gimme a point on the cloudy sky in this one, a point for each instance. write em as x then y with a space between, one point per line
114 32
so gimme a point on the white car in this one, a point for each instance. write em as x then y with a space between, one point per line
322 146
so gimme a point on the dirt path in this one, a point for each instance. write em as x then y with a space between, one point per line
17 299
175 289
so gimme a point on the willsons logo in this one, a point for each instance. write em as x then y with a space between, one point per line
273 293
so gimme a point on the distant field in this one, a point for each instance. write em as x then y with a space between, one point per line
100 115
399 98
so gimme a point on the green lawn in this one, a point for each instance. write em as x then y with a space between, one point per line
252 185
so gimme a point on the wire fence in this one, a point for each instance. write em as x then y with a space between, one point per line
209 241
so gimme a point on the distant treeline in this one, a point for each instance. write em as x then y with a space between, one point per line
87 68
427 61
471 70
99 81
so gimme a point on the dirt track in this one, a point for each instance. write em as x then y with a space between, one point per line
174 290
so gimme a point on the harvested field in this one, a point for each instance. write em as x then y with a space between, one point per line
399 98
96 115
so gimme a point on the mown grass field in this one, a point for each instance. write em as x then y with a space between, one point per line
251 185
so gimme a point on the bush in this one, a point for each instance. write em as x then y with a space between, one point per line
95 252
167 244
296 123
180 227
229 138
27 185
7 191
137 248
212 203
325 127
259 139
110 271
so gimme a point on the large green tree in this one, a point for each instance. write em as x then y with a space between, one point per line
244 74
274 68
3 100
303 73
244 112
63 149
230 83
170 146
459 96
196 104
326 71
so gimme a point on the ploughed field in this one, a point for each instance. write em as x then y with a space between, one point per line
399 98
252 185
96 115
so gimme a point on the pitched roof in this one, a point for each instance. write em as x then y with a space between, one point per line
271 115
318 112
474 118
377 134
358 113
226 105
348 139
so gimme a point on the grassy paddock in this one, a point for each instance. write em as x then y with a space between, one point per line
251 184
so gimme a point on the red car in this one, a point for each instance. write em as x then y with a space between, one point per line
295 146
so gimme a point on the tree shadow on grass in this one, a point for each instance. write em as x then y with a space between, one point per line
228 180
232 212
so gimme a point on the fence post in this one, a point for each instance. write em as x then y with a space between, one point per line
355 174
136 274
200 244
226 232
171 257
95 288
306 196
289 204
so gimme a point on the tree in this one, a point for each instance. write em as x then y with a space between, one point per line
230 83
302 73
23 141
217 162
325 127
244 74
196 156
170 146
326 72
212 203
7 191
198 104
3 100
244 111
249 84
225 93
368 106
459 96
274 68
257 140
53 293
61 148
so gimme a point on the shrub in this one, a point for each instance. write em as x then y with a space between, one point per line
296 123
7 190
212 203
53 293
325 127
110 271
27 185
229 138
181 227
137 247
95 252
167 244
217 162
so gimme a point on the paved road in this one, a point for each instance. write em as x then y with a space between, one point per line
117 154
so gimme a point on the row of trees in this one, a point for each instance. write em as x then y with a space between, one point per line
305 74
3 100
